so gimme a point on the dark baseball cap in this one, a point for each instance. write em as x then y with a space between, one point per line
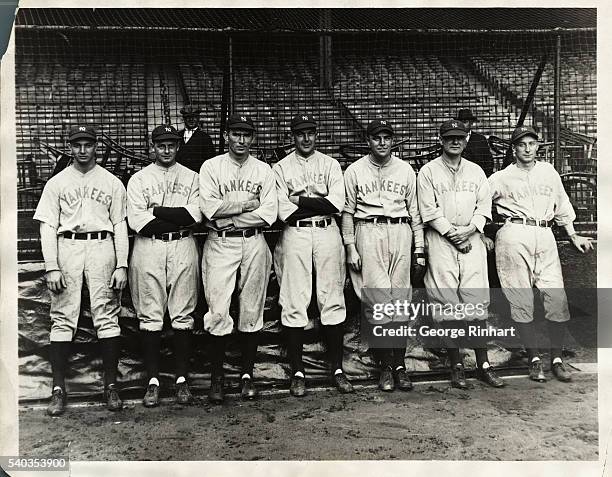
379 125
453 127
523 131
82 132
240 121
303 121
161 133
190 110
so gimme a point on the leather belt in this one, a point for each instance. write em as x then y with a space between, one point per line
245 233
535 223
322 223
87 235
170 236
387 220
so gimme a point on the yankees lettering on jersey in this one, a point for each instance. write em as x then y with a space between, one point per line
372 190
534 194
75 202
175 186
316 176
459 197
223 178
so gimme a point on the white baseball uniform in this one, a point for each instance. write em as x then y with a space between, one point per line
224 257
163 274
303 250
527 255
448 198
385 248
80 203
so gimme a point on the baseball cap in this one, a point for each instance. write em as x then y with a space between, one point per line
81 132
453 127
379 125
161 133
522 131
240 121
190 110
303 121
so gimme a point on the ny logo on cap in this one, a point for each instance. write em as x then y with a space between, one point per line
168 130
523 129
81 128
383 122
243 118
455 125
305 118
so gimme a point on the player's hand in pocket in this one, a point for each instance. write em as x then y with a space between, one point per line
118 279
353 258
55 281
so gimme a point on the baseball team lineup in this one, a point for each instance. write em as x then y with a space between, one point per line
379 222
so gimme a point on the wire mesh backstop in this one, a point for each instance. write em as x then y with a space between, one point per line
127 71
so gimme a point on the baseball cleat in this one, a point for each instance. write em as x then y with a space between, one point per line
297 387
385 382
561 372
488 376
402 380
536 371
57 406
342 383
458 377
151 397
248 391
113 401
216 394
183 394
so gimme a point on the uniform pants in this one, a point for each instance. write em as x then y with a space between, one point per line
164 276
223 261
300 253
527 256
94 261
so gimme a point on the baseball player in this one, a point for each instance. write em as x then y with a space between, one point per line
454 201
310 193
195 146
238 199
163 202
84 238
529 196
380 220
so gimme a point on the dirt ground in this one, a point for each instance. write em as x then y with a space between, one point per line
524 421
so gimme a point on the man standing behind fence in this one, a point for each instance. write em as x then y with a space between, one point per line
84 237
477 149
195 144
